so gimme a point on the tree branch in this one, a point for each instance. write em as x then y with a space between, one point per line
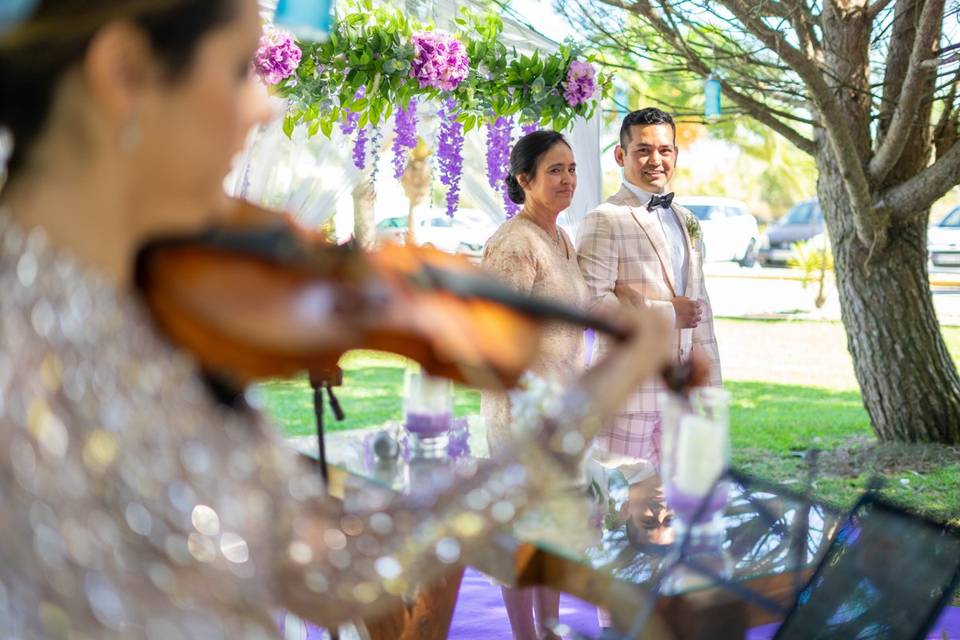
948 127
905 112
803 21
921 191
874 9
832 118
757 110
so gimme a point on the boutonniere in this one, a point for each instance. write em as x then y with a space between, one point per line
693 228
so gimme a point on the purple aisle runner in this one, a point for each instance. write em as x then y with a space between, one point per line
479 614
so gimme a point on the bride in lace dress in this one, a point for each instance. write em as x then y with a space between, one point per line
531 253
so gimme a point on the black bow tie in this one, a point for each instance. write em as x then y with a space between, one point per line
660 201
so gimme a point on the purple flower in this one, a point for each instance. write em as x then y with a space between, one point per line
459 439
406 137
450 153
529 127
581 83
498 150
440 60
349 123
277 58
499 137
509 205
360 149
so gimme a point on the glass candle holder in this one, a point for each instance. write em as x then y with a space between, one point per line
695 451
428 413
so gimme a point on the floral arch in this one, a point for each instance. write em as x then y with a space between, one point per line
381 73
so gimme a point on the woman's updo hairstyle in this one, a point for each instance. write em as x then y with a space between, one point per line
525 158
35 54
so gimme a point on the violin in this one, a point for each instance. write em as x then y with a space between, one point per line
257 297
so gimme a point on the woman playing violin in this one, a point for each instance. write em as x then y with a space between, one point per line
133 504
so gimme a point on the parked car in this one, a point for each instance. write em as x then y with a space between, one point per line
729 230
802 222
943 243
465 233
392 230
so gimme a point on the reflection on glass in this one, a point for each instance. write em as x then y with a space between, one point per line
695 452
886 575
649 521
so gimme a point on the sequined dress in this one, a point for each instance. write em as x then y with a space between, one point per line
134 506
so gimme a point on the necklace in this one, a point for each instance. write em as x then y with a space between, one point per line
557 237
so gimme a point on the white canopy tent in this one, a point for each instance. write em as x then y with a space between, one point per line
313 178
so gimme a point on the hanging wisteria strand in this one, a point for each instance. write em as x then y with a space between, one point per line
375 139
405 126
450 153
499 139
360 149
498 150
529 127
511 207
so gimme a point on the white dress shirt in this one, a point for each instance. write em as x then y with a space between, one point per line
673 232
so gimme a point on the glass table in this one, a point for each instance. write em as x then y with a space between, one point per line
653 582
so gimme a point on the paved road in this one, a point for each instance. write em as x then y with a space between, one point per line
804 353
761 292
807 353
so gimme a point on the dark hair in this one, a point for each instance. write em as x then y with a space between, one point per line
650 115
35 55
525 157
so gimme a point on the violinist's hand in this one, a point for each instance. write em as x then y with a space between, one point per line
628 296
627 365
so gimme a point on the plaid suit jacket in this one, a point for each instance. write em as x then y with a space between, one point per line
621 243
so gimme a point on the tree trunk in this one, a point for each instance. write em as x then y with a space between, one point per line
907 378
364 228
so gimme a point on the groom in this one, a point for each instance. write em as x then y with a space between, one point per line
639 248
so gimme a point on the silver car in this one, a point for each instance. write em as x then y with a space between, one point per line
943 243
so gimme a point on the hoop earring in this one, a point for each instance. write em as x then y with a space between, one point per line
130 135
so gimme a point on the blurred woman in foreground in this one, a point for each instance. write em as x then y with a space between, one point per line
135 505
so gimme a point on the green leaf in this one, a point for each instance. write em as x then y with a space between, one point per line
327 127
289 122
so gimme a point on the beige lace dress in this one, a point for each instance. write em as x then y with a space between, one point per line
525 257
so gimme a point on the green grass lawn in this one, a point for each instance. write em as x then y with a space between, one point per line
371 394
772 426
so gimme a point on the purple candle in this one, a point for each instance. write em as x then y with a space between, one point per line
428 425
686 506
